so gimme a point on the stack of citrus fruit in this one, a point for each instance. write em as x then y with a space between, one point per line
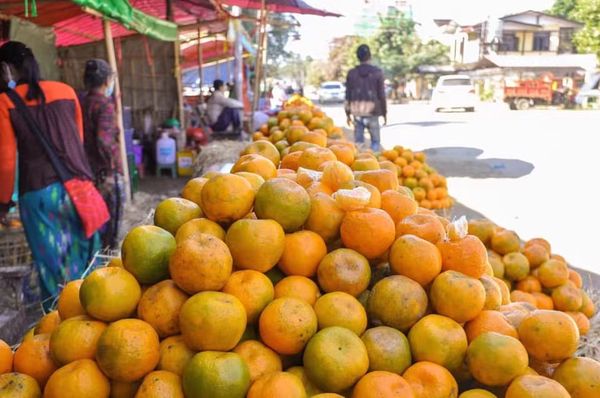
311 281
301 126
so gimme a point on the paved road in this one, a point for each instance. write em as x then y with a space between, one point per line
536 171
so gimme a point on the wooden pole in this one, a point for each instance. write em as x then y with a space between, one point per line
177 70
112 60
200 62
258 66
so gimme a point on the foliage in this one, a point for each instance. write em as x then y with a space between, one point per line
399 51
587 40
564 8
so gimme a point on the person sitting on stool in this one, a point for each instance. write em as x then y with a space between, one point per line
223 113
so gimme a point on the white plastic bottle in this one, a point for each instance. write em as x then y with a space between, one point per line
166 150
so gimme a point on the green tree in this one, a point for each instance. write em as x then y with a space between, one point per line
399 51
564 8
342 57
587 40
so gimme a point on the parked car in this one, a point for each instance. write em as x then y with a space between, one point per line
453 92
332 92
589 94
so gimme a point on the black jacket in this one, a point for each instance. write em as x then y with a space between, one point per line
365 91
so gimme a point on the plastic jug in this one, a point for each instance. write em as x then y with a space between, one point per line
166 150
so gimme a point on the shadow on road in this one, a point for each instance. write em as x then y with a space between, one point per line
465 162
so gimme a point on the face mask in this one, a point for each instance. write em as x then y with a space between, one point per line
110 89
12 84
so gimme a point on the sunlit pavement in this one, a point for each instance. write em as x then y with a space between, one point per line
536 172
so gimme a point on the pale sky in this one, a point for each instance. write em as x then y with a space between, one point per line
317 32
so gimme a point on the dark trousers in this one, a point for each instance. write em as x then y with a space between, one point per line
229 116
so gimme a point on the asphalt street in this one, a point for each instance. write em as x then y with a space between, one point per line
536 172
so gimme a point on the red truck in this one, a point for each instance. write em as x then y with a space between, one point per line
527 93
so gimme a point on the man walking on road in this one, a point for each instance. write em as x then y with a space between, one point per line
365 98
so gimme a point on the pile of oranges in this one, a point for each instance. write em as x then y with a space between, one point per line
311 281
301 126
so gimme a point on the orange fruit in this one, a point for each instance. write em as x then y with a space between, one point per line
582 322
388 349
110 294
536 254
483 229
531 386
277 384
369 231
299 287
313 158
160 305
336 174
204 263
493 293
287 324
579 376
68 304
335 359
254 163
216 375
553 273
505 241
495 261
477 393
341 309
575 278
467 255
284 201
294 133
495 359
529 284
193 190
128 350
567 297
489 321
247 251
212 321
516 266
381 384
302 253
261 360
408 171
48 323
264 148
504 290
343 153
74 339
309 386
430 380
253 289
539 241
6 358
543 301
291 160
549 335
146 251
174 355
381 179
193 228
18 385
397 301
325 217
416 258
365 164
397 205
375 200
425 226
588 307
172 213
516 312
344 270
388 165
81 378
318 187
519 296
438 339
255 180
160 383
226 198
352 199
33 358
457 296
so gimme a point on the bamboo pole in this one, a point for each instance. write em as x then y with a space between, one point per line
200 62
177 70
112 60
259 60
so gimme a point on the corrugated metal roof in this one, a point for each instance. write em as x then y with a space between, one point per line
583 61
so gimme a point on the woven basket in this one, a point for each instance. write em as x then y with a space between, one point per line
14 249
